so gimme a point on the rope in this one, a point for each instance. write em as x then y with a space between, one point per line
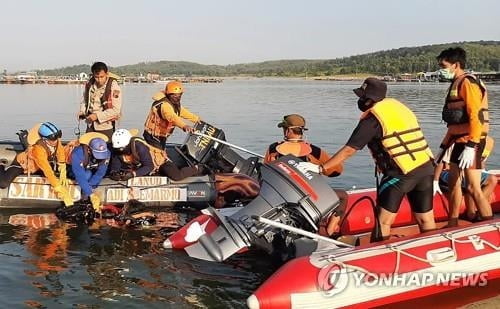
399 252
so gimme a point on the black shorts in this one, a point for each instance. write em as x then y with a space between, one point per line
418 189
459 148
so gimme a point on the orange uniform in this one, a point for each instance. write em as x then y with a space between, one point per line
39 157
163 118
470 94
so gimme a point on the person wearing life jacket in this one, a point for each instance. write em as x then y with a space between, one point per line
466 114
89 163
294 143
488 181
45 153
167 113
401 153
134 157
102 101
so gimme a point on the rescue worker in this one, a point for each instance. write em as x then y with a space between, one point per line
45 153
167 113
401 154
89 163
488 181
102 101
293 143
466 113
134 157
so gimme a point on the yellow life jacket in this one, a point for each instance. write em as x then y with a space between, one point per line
84 141
159 156
155 124
402 138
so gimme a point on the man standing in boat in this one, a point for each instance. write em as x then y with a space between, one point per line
102 101
466 114
401 154
488 181
167 113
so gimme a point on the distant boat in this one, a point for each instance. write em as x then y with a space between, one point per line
26 78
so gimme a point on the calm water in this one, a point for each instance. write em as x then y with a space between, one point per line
102 267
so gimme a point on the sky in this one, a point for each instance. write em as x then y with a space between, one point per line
48 34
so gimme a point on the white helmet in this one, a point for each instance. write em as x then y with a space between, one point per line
121 138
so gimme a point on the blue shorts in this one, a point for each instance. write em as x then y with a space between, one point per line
443 180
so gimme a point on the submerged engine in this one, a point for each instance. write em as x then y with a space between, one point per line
288 195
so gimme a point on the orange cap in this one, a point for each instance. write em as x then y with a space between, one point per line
174 87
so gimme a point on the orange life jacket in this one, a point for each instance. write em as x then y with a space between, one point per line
304 151
87 162
159 156
455 110
26 159
68 149
155 124
301 150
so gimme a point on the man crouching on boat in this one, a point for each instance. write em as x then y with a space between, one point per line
89 162
46 153
401 154
294 143
134 157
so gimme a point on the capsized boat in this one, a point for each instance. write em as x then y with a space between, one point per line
34 191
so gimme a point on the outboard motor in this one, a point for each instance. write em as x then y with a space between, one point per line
220 158
288 195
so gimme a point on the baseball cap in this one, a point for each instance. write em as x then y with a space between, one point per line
372 88
293 121
99 149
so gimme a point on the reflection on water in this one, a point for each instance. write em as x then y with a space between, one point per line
64 266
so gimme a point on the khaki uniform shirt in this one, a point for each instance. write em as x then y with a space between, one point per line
106 117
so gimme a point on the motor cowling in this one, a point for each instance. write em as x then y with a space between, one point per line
220 158
288 195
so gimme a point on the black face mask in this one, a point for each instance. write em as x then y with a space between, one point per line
364 104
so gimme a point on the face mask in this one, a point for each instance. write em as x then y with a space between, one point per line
447 74
362 104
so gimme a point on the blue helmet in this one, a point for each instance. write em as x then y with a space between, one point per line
48 130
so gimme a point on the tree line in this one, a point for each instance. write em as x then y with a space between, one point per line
482 56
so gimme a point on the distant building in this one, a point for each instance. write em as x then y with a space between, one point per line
428 76
152 76
83 76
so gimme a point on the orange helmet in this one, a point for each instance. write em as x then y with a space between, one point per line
174 87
